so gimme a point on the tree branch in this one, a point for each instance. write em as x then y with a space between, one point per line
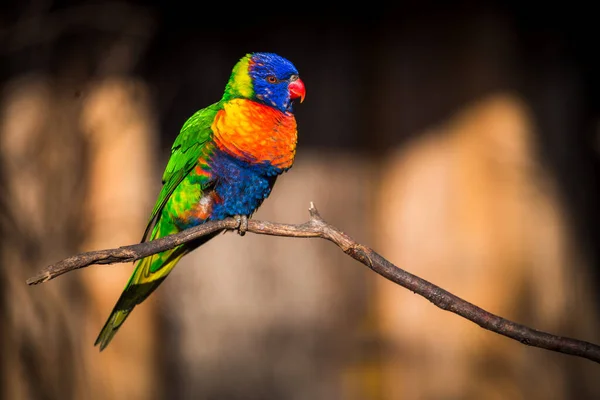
316 227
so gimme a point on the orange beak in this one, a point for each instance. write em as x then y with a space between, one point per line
297 90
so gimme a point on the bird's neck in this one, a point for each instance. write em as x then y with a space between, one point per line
256 133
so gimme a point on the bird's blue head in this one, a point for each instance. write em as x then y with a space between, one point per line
266 78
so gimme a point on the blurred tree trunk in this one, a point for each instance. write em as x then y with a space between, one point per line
467 207
465 203
43 171
48 331
118 123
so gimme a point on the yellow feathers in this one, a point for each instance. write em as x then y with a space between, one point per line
241 79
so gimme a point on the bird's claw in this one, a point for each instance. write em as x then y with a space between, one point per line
242 221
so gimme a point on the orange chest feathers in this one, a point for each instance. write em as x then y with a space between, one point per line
256 133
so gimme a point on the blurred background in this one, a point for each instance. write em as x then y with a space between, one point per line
460 141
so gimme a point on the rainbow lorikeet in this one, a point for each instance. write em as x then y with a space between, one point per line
224 163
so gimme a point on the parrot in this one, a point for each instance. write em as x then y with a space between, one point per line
223 163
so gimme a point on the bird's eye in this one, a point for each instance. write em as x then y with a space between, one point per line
271 79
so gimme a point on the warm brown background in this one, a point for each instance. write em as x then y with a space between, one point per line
461 142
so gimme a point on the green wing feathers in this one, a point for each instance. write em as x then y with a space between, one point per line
187 148
193 142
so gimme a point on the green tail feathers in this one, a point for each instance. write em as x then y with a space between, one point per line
111 326
147 276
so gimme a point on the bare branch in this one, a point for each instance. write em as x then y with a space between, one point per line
316 227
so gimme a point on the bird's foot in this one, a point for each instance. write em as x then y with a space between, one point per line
242 221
